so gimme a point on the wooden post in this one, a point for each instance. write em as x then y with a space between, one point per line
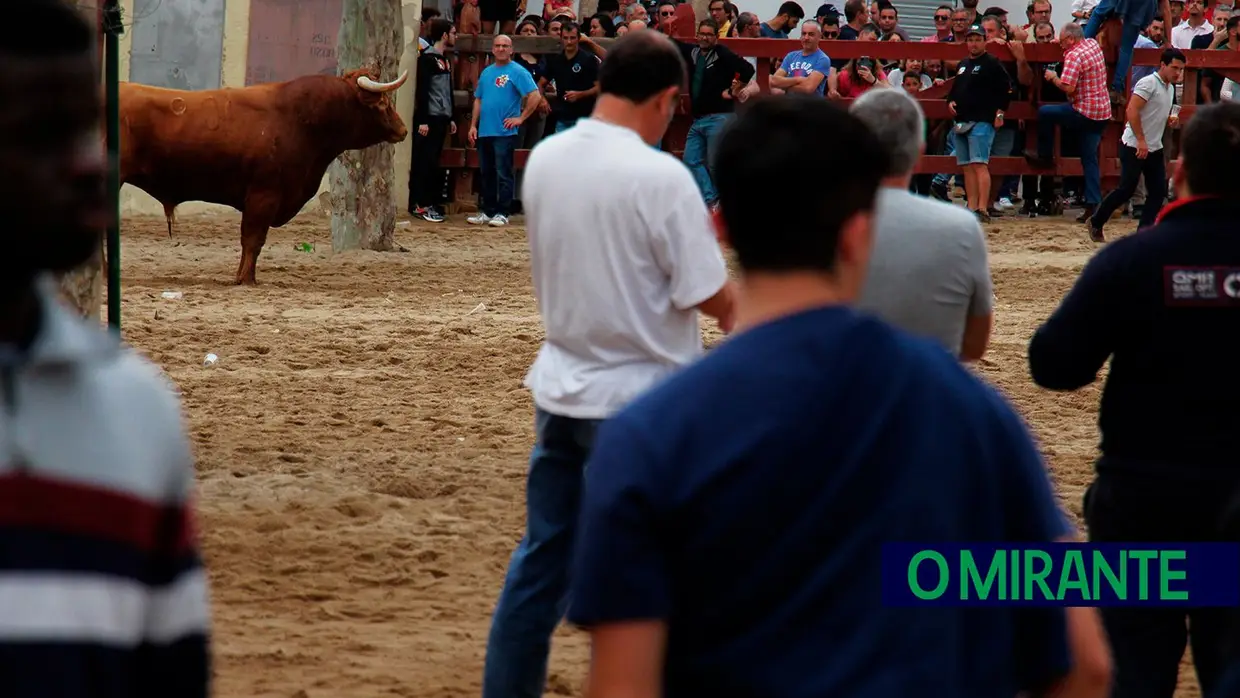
82 288
363 203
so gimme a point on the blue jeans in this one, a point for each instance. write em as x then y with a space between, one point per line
563 123
1089 133
700 152
949 148
499 176
973 148
1127 39
535 594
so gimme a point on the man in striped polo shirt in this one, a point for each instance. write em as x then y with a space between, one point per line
102 588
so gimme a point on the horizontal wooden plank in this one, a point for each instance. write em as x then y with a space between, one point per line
890 50
462 158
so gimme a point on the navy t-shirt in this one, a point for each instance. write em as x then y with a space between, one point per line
745 500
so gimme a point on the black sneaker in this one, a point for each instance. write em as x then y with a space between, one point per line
428 213
939 191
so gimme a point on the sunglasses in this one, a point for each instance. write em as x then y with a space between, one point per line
942 18
830 35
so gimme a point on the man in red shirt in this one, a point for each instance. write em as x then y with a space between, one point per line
1084 81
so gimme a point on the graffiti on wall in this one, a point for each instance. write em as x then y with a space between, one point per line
177 43
291 38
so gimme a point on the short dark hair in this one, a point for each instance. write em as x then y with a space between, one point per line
1232 21
608 5
1210 150
884 5
1171 53
831 20
62 29
709 22
792 10
640 65
569 26
438 29
429 13
852 8
759 149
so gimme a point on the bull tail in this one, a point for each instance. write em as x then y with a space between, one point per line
170 213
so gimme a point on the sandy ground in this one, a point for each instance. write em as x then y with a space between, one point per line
362 441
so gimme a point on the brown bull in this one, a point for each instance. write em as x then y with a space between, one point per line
262 150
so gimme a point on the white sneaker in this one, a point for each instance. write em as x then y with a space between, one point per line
499 221
1004 204
479 218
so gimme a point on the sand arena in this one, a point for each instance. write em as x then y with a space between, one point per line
362 442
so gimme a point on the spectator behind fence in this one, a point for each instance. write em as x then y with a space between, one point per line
807 71
717 556
102 588
979 96
889 21
1086 116
505 97
1163 306
716 78
574 73
620 305
928 271
782 24
1148 114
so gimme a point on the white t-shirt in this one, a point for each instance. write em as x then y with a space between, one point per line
622 251
1182 34
1157 95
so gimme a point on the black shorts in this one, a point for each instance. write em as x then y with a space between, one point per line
498 10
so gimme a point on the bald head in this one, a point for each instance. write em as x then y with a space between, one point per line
501 48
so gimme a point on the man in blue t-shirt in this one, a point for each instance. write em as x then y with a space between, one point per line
733 517
807 70
505 97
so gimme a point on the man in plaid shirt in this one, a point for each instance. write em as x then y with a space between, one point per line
1084 80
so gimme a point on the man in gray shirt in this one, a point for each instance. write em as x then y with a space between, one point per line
928 271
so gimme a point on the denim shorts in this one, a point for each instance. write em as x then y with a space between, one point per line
973 148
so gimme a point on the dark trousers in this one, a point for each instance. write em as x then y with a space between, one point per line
426 177
1088 133
1154 167
1148 643
920 184
498 172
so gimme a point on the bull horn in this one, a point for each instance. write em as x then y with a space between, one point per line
371 86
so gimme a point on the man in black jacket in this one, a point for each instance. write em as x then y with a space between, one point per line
1164 305
979 96
716 77
432 113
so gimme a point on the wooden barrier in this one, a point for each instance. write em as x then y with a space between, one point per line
473 50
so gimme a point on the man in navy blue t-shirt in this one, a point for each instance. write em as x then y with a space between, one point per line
733 516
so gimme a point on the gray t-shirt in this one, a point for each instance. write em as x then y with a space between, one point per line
1157 95
928 268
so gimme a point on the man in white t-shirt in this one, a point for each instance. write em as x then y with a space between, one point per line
1183 34
1140 149
624 260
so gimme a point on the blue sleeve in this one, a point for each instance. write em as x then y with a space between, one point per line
524 81
619 570
783 65
824 67
1067 351
1040 651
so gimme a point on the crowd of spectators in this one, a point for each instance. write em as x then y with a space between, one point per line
1074 94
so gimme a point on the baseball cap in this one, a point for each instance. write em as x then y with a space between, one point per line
995 11
975 29
827 11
